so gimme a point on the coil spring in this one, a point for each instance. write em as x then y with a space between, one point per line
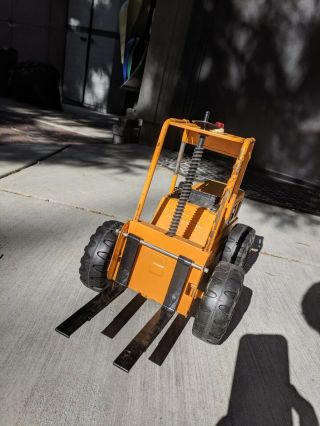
186 190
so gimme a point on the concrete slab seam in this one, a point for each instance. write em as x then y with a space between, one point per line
33 163
74 206
290 259
124 219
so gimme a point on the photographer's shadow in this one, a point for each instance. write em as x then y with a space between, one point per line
311 306
262 394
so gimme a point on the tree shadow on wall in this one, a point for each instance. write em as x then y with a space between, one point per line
256 64
261 391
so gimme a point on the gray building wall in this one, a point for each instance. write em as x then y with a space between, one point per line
254 64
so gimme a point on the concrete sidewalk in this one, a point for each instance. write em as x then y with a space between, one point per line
265 373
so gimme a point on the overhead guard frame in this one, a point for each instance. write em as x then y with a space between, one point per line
223 143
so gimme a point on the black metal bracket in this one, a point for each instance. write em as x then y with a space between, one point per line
89 310
128 258
177 282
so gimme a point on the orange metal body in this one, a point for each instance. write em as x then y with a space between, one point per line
201 231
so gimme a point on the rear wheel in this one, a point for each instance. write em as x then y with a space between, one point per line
97 255
239 243
218 302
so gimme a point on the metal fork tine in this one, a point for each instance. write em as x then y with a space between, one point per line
140 343
167 342
88 311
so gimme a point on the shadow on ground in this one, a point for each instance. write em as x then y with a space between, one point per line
21 136
258 184
124 159
15 127
75 117
311 306
261 391
254 253
246 295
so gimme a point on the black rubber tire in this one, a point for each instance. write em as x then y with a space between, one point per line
239 243
218 302
97 255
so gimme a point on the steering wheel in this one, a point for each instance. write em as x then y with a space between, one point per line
205 123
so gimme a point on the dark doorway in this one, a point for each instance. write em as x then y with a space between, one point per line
92 63
36 29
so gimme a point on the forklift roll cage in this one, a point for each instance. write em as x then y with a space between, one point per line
159 253
222 143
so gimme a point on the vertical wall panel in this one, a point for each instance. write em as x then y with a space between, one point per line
59 11
32 12
57 34
5 35
106 15
5 28
75 65
31 43
35 28
30 31
5 9
89 67
99 72
79 12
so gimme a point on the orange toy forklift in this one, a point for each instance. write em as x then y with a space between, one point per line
189 258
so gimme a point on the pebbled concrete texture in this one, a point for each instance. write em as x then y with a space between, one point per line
265 373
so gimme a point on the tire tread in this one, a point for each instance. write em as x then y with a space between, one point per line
92 265
214 313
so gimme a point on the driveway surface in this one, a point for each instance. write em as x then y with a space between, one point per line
267 372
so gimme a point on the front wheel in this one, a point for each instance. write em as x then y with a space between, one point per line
218 303
97 255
